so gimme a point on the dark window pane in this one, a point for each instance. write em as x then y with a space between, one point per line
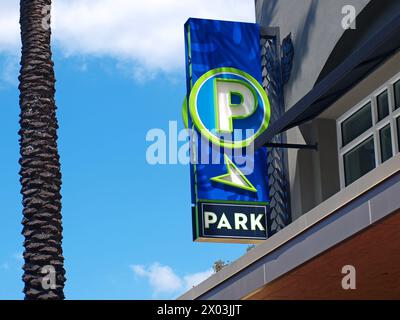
383 105
398 130
356 124
397 94
359 160
386 143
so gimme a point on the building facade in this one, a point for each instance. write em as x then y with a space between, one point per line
335 209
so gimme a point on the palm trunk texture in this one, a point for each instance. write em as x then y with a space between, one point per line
40 165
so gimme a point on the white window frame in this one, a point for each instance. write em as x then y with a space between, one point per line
375 128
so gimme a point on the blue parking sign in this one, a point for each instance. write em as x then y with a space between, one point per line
226 109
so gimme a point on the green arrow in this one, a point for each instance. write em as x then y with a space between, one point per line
234 178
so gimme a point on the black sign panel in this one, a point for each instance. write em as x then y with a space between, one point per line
230 221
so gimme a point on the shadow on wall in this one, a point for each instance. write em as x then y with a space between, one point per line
268 7
301 39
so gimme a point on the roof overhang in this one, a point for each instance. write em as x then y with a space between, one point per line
351 71
358 207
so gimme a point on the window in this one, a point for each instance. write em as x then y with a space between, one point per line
398 131
397 94
367 133
383 105
356 124
386 143
359 160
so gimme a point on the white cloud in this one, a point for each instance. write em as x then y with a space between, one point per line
139 270
163 280
146 34
192 280
9 27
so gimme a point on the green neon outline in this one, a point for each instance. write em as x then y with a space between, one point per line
200 126
244 83
229 165
190 55
185 115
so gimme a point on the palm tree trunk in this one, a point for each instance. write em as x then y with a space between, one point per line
40 166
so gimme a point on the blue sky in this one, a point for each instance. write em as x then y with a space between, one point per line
127 224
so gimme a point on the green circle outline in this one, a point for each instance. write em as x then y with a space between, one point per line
202 128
